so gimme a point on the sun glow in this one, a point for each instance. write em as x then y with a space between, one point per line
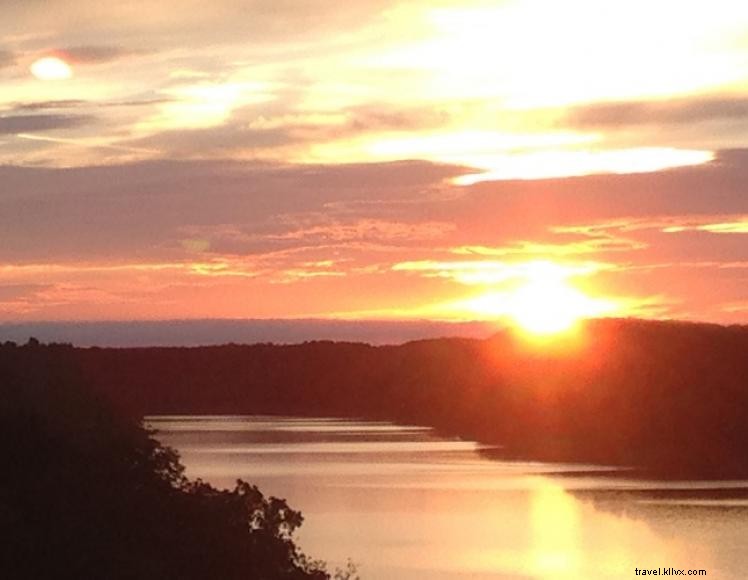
544 303
561 59
51 68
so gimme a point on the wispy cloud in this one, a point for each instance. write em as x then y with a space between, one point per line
83 104
47 122
669 224
14 292
94 54
736 307
596 244
679 111
491 272
733 227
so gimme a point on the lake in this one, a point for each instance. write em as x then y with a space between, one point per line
404 503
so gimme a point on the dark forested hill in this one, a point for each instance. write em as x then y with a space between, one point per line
671 397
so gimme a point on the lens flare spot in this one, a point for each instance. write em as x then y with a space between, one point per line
51 68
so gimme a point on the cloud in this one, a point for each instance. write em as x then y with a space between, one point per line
288 237
599 243
33 123
190 22
682 111
740 226
15 292
715 188
387 117
93 54
726 228
7 59
736 307
669 224
734 227
54 104
674 242
268 126
21 298
481 272
203 230
365 230
218 142
170 210
150 208
82 103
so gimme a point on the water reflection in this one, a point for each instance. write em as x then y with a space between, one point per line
404 503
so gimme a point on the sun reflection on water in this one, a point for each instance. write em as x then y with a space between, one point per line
565 538
556 525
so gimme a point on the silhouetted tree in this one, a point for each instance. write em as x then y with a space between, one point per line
86 494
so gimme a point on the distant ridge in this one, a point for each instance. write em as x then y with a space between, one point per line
208 332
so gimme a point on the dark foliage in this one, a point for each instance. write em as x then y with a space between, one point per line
85 494
669 397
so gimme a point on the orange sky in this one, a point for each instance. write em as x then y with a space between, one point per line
386 159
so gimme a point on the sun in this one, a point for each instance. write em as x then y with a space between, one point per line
51 68
544 302
548 307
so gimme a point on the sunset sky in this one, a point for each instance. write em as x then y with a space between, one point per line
373 159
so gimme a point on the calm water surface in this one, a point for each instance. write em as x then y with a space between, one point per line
405 504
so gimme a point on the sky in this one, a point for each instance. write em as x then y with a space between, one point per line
376 159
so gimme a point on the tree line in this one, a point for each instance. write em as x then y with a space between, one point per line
668 397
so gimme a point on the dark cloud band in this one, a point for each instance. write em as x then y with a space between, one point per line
33 123
670 112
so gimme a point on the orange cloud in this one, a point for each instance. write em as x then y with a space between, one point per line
602 243
717 224
494 272
735 227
